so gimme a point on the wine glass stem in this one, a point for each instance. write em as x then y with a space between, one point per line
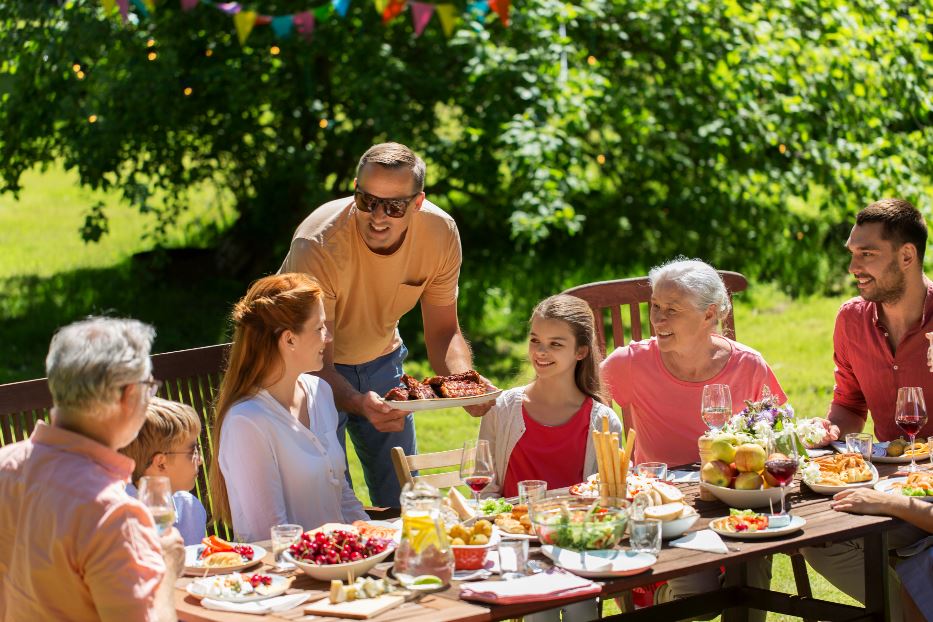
782 501
913 458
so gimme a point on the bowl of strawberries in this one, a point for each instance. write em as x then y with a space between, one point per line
337 554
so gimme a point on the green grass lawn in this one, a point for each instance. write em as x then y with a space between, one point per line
49 277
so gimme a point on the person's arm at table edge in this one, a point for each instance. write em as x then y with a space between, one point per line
845 419
369 405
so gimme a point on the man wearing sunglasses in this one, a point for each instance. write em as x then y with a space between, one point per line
376 255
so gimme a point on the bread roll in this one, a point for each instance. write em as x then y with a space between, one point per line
669 493
668 511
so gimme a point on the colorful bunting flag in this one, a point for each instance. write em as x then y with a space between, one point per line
187 5
322 12
478 9
108 5
150 4
392 11
124 9
230 8
501 7
341 6
282 26
141 7
447 13
421 13
381 5
244 21
304 23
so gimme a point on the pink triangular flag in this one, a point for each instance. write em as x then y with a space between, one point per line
124 8
187 5
421 13
304 23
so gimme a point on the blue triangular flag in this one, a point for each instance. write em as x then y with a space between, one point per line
141 7
282 26
341 6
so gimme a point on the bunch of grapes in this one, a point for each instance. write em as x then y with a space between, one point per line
336 547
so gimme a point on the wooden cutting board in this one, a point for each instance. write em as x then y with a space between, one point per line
356 609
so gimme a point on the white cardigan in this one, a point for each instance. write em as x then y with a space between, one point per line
277 471
504 425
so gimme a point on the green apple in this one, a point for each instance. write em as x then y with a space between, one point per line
748 481
722 450
750 457
717 473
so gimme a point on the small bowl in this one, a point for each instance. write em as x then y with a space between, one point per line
678 526
473 556
579 523
329 572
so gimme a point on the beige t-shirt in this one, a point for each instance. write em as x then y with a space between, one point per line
366 293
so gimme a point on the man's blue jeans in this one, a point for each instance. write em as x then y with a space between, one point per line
373 447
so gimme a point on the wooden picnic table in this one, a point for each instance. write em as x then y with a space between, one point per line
823 526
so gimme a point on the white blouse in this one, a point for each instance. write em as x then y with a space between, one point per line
277 471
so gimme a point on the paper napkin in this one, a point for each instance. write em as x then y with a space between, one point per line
703 540
683 476
260 607
552 584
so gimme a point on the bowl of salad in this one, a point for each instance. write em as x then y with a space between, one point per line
579 523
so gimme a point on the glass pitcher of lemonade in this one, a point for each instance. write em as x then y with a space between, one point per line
424 548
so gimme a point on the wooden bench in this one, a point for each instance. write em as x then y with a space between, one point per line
188 376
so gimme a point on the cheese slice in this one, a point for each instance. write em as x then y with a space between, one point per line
460 505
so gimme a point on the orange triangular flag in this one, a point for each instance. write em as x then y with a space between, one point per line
501 7
244 21
447 13
391 12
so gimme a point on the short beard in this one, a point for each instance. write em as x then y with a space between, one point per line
894 291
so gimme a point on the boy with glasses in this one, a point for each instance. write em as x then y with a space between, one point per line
376 255
167 445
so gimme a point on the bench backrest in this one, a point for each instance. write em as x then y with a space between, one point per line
188 376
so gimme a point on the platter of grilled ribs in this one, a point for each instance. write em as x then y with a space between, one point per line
441 392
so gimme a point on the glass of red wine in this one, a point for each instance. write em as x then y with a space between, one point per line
910 415
476 469
781 462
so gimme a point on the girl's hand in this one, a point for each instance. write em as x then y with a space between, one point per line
865 501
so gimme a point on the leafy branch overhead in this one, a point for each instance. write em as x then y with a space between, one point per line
584 140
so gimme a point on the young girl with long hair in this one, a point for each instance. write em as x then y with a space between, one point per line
554 414
275 428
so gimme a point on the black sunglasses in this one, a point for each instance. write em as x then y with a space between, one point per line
394 208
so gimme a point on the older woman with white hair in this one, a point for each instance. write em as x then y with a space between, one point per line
73 544
659 382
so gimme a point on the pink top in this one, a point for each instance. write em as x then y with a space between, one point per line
73 544
868 374
665 411
533 456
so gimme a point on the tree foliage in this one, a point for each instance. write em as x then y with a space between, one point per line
586 140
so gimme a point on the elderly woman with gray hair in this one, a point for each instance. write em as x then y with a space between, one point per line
73 544
659 382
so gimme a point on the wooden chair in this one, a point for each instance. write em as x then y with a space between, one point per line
188 376
633 293
406 465
612 296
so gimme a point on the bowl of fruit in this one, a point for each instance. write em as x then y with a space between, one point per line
738 476
337 554
579 523
471 543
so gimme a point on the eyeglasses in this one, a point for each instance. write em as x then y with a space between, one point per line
394 208
194 453
153 385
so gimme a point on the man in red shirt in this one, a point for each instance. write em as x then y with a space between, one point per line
879 343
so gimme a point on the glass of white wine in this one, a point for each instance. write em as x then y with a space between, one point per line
155 492
716 406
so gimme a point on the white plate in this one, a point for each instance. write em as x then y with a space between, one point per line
194 566
278 587
796 523
443 402
824 489
747 499
841 448
596 564
885 486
